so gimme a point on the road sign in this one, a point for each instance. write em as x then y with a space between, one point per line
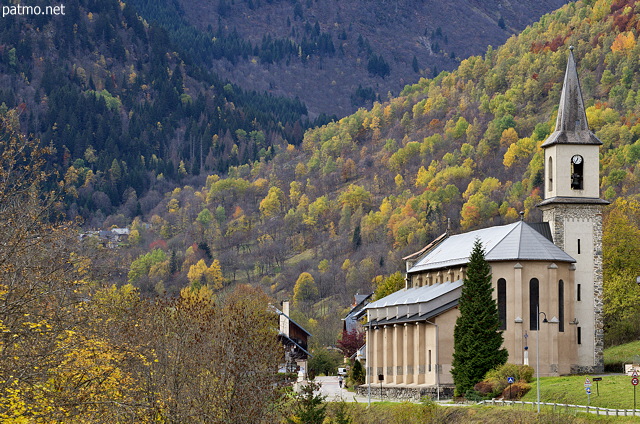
587 382
635 373
588 389
511 380
597 378
634 381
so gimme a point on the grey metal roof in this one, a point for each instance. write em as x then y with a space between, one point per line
417 317
416 295
571 124
517 241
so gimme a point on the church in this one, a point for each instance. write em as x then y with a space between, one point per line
546 277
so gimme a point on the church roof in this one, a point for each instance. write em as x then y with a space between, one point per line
571 124
416 303
517 241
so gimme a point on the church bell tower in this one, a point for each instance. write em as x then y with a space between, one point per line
573 209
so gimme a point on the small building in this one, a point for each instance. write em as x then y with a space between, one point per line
352 320
294 339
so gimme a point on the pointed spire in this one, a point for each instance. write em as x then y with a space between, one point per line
571 124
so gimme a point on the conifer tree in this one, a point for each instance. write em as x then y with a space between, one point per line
476 336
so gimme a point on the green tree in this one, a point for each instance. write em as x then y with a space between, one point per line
305 289
389 285
357 373
309 407
477 340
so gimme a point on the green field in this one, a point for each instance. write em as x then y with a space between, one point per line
614 391
621 354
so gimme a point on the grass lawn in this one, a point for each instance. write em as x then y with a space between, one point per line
616 391
625 353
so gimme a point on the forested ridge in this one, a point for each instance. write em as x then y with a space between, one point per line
459 150
337 56
126 111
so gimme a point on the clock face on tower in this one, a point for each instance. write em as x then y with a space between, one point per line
576 159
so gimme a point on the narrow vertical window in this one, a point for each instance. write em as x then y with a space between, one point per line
579 335
550 168
577 176
429 360
561 305
534 299
578 246
502 303
578 292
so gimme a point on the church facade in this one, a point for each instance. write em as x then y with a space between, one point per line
547 277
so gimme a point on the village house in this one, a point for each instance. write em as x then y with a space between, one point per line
546 277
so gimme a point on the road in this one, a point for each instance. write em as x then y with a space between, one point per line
331 389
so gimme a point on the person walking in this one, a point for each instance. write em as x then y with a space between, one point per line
340 381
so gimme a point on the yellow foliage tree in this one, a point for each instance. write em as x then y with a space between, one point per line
624 42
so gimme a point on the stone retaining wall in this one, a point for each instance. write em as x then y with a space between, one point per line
405 393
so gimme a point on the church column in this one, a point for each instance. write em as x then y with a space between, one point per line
552 308
518 351
398 329
418 355
368 352
408 353
387 353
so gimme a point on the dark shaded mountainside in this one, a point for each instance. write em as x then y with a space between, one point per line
338 55
362 192
128 114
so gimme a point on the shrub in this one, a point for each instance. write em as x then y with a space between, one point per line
495 381
485 388
519 372
516 391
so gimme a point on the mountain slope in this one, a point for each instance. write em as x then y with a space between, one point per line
126 112
461 148
337 56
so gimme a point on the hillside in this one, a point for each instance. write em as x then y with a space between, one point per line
128 114
360 193
338 56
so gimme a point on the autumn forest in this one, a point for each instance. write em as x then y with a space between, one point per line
236 199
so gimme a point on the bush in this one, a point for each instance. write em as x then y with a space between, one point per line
519 372
495 381
516 391
356 374
485 388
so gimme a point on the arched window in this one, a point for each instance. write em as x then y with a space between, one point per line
534 299
550 168
502 303
561 305
577 175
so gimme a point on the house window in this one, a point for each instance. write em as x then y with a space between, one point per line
550 168
429 360
579 335
561 305
577 175
578 292
534 299
502 303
